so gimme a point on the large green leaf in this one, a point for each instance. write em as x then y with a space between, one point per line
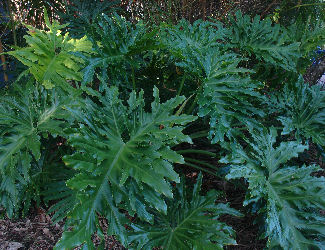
191 222
301 108
124 160
50 56
25 115
226 94
229 97
119 46
265 41
295 197
308 34
188 43
311 36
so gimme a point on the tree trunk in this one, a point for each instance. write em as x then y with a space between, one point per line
3 62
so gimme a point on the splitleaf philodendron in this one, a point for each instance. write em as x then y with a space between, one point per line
101 138
302 110
50 56
124 160
264 40
294 197
26 116
191 222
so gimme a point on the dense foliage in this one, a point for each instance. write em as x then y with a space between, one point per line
191 222
294 198
98 129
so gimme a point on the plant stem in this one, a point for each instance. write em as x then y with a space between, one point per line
196 151
306 4
199 134
182 84
67 9
201 163
133 77
190 110
200 168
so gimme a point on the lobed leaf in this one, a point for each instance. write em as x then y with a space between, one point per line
191 222
50 56
25 115
294 196
266 41
124 160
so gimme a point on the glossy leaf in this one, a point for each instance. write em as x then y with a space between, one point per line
294 196
25 115
191 222
124 160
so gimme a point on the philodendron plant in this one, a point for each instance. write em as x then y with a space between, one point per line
86 136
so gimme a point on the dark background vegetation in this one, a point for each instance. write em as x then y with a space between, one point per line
81 13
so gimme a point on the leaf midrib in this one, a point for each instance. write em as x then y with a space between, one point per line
92 209
174 230
13 150
283 205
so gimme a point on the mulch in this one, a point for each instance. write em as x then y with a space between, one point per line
38 232
34 232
